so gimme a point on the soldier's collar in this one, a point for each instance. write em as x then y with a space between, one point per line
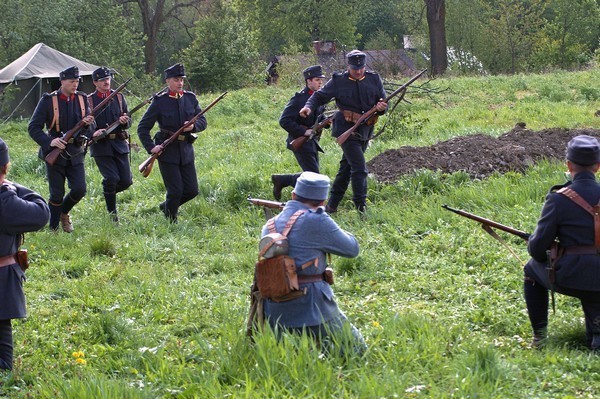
64 97
175 94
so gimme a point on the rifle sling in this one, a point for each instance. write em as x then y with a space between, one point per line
491 232
592 210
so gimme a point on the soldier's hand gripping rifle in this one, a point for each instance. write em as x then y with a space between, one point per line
146 167
365 117
267 205
113 126
52 157
298 142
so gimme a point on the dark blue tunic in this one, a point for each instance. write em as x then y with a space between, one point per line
20 212
171 113
109 146
69 115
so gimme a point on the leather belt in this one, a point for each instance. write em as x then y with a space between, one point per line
112 136
310 278
582 250
181 137
8 260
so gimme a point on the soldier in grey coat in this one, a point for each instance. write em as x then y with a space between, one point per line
21 211
312 237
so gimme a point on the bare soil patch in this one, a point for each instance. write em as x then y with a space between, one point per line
479 155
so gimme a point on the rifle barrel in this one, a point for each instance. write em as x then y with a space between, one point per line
519 233
266 203
344 136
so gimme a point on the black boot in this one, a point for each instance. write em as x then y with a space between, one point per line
277 186
55 212
111 205
536 298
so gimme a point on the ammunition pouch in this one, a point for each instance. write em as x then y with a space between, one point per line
22 259
328 275
122 135
353 117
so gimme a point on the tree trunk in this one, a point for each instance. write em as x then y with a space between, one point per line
436 19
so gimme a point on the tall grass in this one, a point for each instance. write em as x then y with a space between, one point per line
148 309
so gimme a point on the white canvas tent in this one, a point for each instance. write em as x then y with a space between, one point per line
23 81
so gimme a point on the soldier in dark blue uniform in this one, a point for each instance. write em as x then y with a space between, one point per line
60 111
111 152
297 126
356 91
576 271
21 211
172 109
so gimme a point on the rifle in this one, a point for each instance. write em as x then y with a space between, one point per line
364 117
298 142
267 205
52 157
487 224
113 126
146 167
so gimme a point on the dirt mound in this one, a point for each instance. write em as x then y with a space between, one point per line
479 155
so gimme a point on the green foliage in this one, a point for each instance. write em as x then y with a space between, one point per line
148 309
224 52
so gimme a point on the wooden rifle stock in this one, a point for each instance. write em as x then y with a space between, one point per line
146 167
489 223
364 117
52 157
298 142
266 203
113 126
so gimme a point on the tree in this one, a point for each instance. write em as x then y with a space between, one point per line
224 53
436 20
293 24
570 35
154 14
515 26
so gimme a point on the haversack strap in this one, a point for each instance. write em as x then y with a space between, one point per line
592 210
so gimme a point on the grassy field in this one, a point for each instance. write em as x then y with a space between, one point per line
152 310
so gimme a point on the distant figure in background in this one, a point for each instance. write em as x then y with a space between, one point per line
313 235
21 211
172 109
111 152
60 111
568 216
297 126
356 91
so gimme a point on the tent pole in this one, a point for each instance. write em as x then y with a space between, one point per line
18 105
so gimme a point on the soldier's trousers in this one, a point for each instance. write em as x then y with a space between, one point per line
181 183
308 161
536 288
116 172
6 345
353 168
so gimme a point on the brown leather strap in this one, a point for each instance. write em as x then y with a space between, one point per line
592 210
286 230
581 250
310 278
55 122
291 221
82 105
8 260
